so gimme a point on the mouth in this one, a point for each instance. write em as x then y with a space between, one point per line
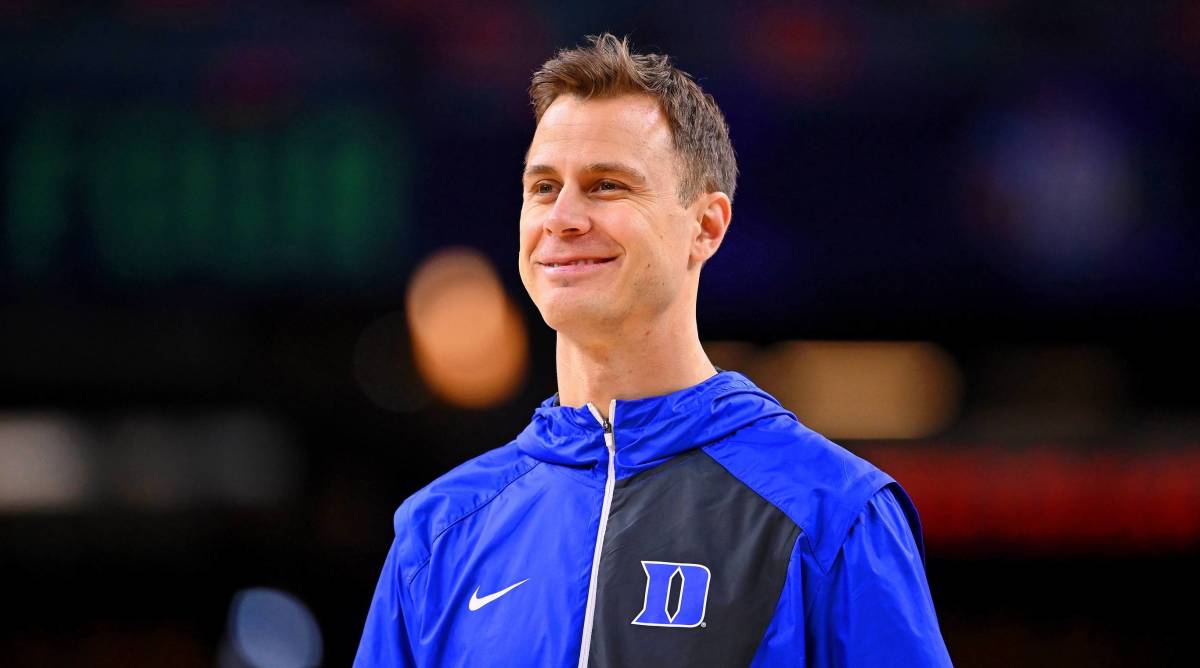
565 266
576 263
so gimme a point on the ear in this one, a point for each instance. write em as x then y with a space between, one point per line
712 213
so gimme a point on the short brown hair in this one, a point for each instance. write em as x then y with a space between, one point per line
606 68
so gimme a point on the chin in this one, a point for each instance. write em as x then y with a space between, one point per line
565 315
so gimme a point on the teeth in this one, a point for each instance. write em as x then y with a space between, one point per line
555 264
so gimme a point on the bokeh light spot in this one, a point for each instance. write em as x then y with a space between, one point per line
469 341
853 389
43 463
269 628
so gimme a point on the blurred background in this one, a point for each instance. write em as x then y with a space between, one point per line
258 285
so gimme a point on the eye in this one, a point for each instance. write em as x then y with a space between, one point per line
607 186
543 188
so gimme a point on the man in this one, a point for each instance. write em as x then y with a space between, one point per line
656 512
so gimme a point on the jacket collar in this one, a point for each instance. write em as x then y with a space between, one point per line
650 430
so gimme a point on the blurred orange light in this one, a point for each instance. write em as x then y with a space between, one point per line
855 390
469 341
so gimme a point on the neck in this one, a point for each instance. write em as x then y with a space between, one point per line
646 362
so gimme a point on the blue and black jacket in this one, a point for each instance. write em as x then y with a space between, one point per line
706 527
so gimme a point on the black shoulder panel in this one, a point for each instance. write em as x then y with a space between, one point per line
692 568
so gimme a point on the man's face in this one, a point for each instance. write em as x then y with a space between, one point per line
604 239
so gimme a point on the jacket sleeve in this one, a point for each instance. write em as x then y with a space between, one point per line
871 607
385 637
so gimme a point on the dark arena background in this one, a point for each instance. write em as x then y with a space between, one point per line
258 284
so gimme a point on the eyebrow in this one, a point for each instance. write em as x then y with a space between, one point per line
595 167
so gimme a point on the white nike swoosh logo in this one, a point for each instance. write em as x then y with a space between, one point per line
476 603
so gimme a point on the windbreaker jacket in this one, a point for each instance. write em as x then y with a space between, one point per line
706 527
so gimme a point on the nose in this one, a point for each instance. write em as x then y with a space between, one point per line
569 216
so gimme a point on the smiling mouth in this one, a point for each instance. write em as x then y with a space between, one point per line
575 263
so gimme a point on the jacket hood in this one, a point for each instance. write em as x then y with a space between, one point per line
651 430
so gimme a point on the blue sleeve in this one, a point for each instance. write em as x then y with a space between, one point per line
870 607
385 637
873 607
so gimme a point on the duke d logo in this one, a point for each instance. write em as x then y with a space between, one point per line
691 581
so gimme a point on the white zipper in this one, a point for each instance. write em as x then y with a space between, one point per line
609 483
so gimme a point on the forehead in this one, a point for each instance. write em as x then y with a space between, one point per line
623 128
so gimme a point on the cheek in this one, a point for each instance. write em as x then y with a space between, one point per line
528 235
672 247
656 265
